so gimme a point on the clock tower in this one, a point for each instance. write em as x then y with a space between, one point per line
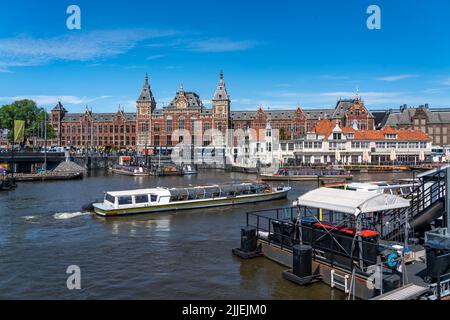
145 106
221 105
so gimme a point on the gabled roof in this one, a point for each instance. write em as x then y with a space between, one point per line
326 127
344 105
192 98
406 115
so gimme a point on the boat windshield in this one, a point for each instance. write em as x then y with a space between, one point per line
110 198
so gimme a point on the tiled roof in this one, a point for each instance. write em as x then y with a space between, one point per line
283 114
192 98
101 117
325 128
342 107
405 116
402 135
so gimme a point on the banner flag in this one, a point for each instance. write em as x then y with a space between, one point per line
19 131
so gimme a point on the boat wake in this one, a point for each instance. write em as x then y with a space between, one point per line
29 217
69 215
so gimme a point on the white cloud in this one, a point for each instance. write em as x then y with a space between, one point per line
446 82
220 45
42 100
397 77
25 51
156 56
28 51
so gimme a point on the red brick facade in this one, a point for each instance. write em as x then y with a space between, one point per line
154 127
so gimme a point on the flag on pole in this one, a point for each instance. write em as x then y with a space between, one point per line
19 131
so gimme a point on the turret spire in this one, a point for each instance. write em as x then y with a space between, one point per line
221 90
146 92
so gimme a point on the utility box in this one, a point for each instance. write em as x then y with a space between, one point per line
437 246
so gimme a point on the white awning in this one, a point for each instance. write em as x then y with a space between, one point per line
351 202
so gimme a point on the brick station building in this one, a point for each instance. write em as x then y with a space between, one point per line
153 127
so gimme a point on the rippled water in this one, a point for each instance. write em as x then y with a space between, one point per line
180 255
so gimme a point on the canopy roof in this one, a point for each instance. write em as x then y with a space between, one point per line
351 202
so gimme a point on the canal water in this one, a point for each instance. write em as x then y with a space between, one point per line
180 255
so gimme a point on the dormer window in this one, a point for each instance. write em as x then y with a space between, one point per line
337 136
391 136
351 136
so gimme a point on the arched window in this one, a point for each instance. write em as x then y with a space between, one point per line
181 123
169 124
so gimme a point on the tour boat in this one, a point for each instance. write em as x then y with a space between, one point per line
129 170
167 170
306 174
164 199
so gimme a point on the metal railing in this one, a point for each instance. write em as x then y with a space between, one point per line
421 199
281 228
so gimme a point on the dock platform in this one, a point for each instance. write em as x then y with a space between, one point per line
408 292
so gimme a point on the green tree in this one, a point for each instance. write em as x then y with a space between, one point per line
25 110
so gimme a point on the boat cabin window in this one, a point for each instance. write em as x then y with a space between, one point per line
125 200
141 199
110 198
153 197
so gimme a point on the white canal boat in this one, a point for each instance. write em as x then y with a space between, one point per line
164 199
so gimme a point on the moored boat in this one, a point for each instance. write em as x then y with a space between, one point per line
164 199
306 174
372 168
189 169
129 170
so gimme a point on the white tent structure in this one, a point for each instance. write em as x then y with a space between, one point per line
351 202
337 155
393 155
366 156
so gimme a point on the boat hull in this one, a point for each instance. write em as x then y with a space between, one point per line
128 173
196 204
304 178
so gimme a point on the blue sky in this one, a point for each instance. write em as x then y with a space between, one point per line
278 54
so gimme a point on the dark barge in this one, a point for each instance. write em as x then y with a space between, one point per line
377 247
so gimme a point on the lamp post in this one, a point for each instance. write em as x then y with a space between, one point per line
146 143
45 140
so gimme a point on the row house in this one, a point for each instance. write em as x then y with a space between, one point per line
434 122
330 143
88 129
